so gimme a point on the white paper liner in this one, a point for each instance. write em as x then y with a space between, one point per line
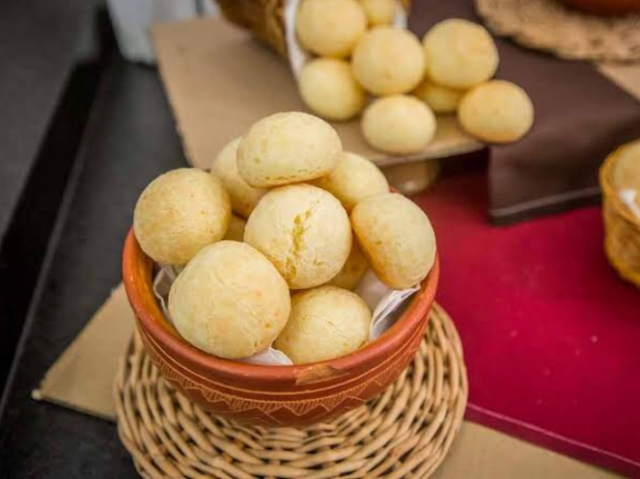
389 310
297 55
628 197
387 305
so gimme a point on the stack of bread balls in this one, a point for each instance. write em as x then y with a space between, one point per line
284 210
461 58
358 54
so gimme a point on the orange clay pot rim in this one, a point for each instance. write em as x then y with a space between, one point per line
159 327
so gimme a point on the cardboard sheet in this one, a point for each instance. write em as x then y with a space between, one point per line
82 379
219 81
83 376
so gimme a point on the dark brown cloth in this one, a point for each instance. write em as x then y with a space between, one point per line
580 117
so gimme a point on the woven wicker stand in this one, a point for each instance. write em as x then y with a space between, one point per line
405 432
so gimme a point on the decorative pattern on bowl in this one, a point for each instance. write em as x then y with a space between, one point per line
273 395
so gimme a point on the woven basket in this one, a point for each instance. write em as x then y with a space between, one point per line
405 432
264 18
567 33
622 228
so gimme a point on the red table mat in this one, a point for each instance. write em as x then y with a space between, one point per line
551 334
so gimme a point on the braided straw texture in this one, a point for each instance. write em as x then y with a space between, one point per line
551 26
405 432
264 18
622 229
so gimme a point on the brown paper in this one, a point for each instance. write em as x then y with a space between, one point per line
219 81
482 453
625 75
82 379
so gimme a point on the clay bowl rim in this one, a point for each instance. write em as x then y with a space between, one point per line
136 268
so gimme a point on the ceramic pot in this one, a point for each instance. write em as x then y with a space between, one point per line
272 395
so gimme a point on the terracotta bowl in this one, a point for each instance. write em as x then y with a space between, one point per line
605 7
272 395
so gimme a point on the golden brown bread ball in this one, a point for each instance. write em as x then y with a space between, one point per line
459 53
353 179
398 124
330 28
304 231
388 61
330 90
229 301
244 197
288 148
235 232
496 112
353 270
179 213
396 237
325 323
379 12
440 99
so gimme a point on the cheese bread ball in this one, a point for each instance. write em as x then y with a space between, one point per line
330 28
244 197
235 232
396 237
325 323
626 173
379 12
288 148
179 213
440 99
459 53
304 231
329 89
353 270
398 124
229 301
496 112
353 179
388 60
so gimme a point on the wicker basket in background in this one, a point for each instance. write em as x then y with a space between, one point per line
622 228
264 18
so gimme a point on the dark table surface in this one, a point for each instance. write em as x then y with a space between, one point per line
27 101
129 140
48 54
